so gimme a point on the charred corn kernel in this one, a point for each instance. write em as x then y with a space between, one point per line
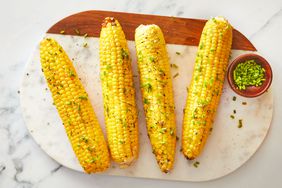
206 85
118 94
75 110
156 87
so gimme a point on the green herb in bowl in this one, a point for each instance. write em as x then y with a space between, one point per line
248 73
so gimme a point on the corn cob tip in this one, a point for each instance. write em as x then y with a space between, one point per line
141 28
221 20
190 158
110 20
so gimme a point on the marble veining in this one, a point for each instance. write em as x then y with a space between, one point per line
27 21
228 146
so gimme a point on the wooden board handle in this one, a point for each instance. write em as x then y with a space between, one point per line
176 30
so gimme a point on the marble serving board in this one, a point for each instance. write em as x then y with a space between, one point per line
227 148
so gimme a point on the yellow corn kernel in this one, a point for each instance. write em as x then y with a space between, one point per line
73 105
157 93
118 94
206 86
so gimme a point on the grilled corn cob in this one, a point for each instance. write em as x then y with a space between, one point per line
206 86
74 108
156 87
118 94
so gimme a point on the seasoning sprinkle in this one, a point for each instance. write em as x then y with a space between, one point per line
178 53
77 31
232 116
196 164
173 66
62 32
234 98
240 125
83 97
85 44
234 111
244 103
146 101
248 73
177 74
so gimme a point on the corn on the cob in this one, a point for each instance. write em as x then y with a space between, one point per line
156 87
118 94
206 86
73 105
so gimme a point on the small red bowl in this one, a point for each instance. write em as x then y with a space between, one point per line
250 91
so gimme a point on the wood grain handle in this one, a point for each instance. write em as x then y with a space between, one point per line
176 30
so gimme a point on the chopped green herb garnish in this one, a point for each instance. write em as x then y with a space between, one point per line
234 98
148 87
84 138
163 130
93 160
248 73
77 31
121 142
71 73
85 44
163 142
124 54
196 164
232 116
173 65
244 103
201 46
177 74
240 123
178 53
83 97
69 103
146 101
152 59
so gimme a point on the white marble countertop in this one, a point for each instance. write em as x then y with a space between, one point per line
23 23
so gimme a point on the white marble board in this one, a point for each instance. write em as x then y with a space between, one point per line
228 147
